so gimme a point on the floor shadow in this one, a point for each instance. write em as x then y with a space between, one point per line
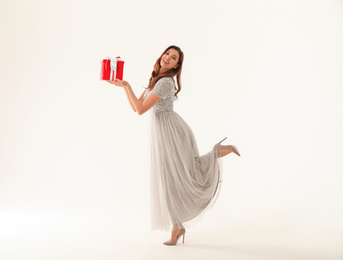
267 252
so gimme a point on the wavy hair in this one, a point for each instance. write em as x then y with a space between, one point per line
156 75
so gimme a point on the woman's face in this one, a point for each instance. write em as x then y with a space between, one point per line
170 60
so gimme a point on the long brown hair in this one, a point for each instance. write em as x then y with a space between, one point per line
156 75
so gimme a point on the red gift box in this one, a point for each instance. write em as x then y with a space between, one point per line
112 69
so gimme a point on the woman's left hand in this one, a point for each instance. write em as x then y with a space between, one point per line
119 83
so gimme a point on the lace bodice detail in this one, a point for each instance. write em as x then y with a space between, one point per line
165 89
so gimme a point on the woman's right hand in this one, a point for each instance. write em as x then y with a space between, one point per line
119 83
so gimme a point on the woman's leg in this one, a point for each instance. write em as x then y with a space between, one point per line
178 226
176 230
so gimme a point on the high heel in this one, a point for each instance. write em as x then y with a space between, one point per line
182 232
219 147
235 150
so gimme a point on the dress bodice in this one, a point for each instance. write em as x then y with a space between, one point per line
165 89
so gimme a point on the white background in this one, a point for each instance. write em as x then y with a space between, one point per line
74 158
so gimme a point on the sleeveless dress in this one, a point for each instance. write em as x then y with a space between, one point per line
184 185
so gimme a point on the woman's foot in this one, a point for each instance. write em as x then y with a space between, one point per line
225 149
176 234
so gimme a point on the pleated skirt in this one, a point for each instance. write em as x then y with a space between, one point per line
184 185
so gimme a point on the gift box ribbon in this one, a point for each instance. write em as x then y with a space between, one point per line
113 65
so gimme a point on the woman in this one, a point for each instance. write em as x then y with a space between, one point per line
183 184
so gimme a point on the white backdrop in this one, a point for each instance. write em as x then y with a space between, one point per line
73 155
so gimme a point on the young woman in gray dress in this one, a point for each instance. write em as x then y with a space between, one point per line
183 183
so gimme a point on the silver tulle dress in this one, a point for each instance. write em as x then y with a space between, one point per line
183 183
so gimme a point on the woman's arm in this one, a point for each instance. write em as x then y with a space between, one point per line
142 106
142 96
138 105
129 99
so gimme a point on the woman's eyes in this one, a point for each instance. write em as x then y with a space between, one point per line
174 58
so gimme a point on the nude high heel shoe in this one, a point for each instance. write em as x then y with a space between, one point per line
181 232
219 147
